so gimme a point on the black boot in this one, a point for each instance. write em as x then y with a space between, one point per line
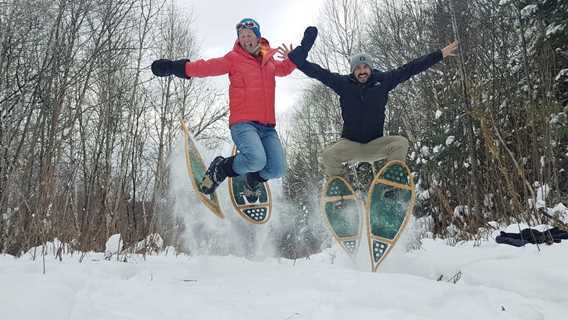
219 169
253 182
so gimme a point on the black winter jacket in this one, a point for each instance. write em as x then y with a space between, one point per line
363 105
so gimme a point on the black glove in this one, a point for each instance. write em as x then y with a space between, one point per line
165 67
310 35
300 53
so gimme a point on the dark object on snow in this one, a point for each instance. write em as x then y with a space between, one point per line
534 236
453 279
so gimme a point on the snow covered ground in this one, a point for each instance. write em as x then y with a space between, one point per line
492 282
481 280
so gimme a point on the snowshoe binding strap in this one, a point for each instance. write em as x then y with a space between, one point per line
214 175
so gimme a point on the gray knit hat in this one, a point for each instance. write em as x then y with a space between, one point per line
361 58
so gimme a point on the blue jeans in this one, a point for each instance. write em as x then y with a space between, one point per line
260 150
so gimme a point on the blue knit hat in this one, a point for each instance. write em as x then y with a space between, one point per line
249 23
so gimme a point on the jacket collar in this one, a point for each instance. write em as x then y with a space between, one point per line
266 51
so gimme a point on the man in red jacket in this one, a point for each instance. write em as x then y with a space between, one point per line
252 71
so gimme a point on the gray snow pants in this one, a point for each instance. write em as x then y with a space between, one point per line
389 148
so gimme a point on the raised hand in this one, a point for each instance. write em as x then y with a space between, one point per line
451 50
299 55
283 51
310 35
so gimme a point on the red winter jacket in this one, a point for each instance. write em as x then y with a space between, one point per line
252 83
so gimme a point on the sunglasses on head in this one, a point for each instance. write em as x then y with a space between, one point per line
247 24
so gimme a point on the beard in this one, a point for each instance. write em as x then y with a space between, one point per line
363 77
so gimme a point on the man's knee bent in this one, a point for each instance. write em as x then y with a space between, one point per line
399 148
328 156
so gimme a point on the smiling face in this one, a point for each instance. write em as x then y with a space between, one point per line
248 39
362 73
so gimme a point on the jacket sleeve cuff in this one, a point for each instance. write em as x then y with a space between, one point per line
178 68
298 56
438 56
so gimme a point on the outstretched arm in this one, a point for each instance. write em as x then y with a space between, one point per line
166 67
185 69
208 68
312 70
414 67
330 79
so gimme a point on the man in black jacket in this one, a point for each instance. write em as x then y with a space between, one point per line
363 96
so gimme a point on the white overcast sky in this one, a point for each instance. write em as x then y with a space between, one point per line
280 22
